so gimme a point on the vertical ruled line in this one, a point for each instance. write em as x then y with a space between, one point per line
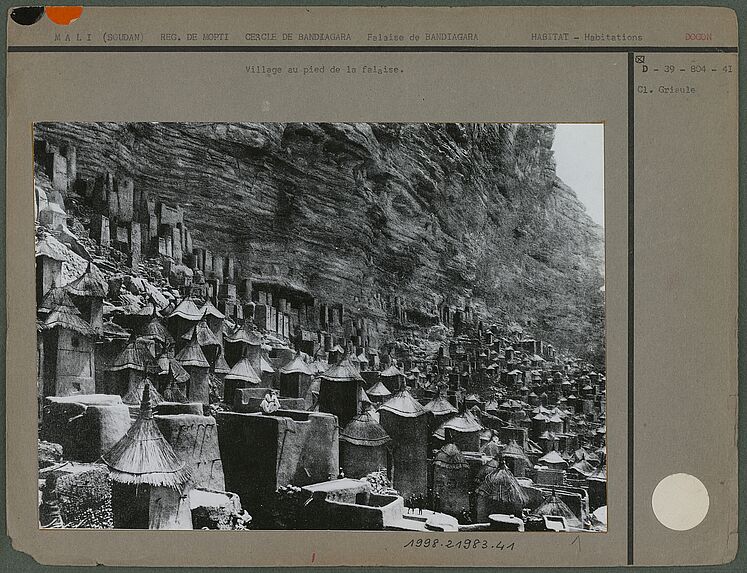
631 301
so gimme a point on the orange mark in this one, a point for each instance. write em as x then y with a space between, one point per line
63 15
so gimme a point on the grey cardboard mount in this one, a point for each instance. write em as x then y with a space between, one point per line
671 226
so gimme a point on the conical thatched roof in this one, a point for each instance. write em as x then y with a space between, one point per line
208 309
205 336
143 456
244 335
391 372
156 330
514 450
378 390
172 368
91 284
244 371
492 465
342 372
135 395
440 406
492 449
362 396
450 457
55 297
150 309
192 355
46 247
265 366
583 467
296 366
173 393
404 405
492 406
363 430
113 330
465 423
133 357
599 516
221 366
68 317
553 457
553 505
501 486
187 309
319 365
600 474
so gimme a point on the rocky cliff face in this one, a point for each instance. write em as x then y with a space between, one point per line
419 217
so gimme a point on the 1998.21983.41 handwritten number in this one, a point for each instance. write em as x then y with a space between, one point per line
458 544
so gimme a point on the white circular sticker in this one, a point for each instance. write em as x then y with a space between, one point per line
680 502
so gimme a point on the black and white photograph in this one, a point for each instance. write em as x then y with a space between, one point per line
321 326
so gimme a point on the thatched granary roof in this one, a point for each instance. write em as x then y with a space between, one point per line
113 330
450 457
90 284
319 365
171 367
555 506
244 335
150 309
192 355
143 456
378 390
133 357
553 457
50 247
583 467
244 371
404 405
363 430
221 366
187 309
135 395
440 406
600 474
156 330
296 366
492 449
464 423
502 486
55 297
65 315
344 371
514 450
265 366
492 465
172 393
205 336
391 372
208 309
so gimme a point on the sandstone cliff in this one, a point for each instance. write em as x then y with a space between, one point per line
419 217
